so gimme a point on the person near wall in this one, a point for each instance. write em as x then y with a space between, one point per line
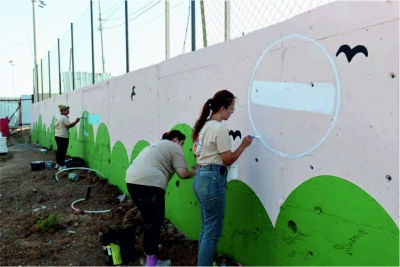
147 178
212 148
62 126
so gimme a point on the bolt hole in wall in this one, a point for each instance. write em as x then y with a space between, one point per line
392 75
311 167
292 226
388 178
312 84
256 159
177 184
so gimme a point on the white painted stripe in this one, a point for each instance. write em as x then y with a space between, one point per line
319 98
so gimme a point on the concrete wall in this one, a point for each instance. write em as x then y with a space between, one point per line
321 186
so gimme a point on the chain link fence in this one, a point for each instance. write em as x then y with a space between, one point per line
115 37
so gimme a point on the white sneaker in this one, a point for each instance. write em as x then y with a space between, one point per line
57 166
62 168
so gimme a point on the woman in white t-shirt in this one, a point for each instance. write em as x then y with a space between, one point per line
147 178
61 126
212 148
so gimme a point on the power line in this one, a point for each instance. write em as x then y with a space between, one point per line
132 30
114 11
134 17
12 46
131 13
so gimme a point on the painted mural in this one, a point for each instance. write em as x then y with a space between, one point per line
320 183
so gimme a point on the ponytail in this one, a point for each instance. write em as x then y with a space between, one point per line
205 113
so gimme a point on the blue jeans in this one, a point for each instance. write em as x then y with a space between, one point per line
210 186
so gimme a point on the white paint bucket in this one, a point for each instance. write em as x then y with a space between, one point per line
233 172
3 145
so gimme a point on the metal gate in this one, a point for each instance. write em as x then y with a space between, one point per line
17 110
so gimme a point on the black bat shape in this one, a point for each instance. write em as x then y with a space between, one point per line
350 53
133 92
235 134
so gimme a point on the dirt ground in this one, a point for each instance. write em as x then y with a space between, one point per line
26 196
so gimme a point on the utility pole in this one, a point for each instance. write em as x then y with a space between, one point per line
101 38
36 82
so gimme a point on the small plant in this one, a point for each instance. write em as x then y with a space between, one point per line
48 223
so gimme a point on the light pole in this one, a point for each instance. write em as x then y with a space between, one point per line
13 79
36 83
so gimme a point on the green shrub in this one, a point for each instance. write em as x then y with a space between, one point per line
48 223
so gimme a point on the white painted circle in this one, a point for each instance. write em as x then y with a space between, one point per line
337 105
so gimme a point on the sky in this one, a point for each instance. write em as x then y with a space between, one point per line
17 38
146 33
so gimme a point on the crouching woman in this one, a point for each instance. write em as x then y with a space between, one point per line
147 178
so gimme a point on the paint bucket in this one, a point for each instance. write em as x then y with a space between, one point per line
119 246
3 145
37 165
233 172
48 164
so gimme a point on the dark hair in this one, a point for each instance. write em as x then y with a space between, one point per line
222 98
172 134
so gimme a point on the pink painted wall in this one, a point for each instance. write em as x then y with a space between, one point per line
355 133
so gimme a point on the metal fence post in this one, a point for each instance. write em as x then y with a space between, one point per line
167 30
193 20
41 75
227 20
203 23
48 56
72 56
35 50
59 66
92 33
126 36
